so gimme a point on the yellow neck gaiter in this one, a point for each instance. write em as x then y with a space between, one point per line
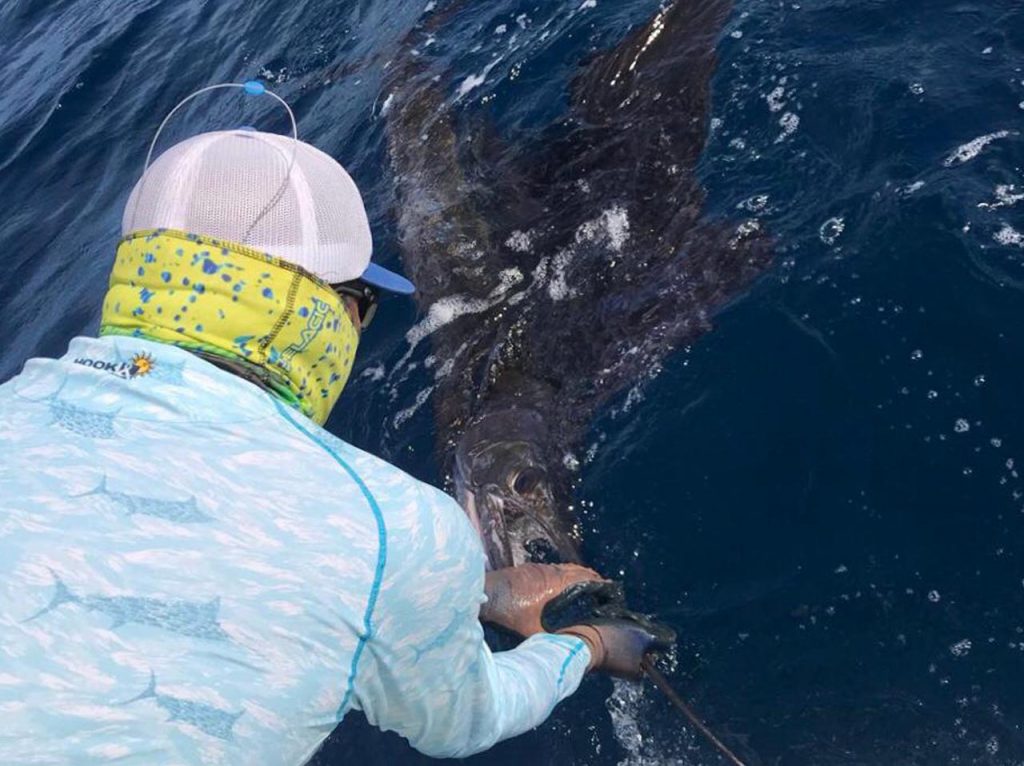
228 300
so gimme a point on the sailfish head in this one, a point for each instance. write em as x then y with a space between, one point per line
503 481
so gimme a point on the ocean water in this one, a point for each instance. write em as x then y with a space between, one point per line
823 494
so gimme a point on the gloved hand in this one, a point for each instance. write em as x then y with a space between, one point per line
516 596
618 644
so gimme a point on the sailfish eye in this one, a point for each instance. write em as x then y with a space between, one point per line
527 480
541 551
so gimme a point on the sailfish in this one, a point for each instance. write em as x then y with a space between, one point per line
558 273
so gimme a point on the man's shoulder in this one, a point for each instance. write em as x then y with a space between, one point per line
417 516
383 478
131 380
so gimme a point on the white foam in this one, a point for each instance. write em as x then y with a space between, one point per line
445 369
474 81
558 287
373 373
634 396
612 224
507 279
1006 196
610 228
280 77
754 204
970 150
470 83
831 230
1009 236
789 122
446 310
403 415
519 241
774 99
442 312
909 189
624 708
744 230
961 648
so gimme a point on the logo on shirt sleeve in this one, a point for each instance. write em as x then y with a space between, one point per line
139 367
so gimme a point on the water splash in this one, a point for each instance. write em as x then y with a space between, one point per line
970 150
630 707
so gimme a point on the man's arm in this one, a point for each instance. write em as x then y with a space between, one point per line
427 672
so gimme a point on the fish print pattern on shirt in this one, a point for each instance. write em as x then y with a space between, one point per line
77 420
208 719
264 575
179 511
197 619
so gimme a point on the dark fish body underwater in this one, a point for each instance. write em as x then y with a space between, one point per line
559 277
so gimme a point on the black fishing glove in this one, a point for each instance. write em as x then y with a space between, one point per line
619 642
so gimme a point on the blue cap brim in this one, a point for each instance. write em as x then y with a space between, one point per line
380 277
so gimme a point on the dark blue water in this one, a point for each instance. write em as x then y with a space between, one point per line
823 494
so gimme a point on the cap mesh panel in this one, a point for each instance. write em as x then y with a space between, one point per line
235 185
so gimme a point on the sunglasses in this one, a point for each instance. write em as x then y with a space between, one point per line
365 297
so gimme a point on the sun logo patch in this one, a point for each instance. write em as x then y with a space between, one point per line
142 364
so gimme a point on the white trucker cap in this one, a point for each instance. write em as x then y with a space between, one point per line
270 192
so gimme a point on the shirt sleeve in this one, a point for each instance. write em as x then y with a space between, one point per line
428 673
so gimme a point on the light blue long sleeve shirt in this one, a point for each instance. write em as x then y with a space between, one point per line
192 573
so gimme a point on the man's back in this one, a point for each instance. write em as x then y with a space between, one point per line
186 561
192 571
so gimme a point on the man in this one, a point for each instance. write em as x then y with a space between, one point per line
193 571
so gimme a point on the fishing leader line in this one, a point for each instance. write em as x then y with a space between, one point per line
662 683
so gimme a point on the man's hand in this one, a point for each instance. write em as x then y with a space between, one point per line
516 596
